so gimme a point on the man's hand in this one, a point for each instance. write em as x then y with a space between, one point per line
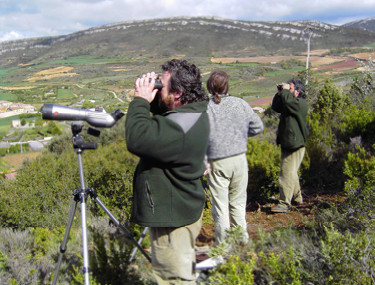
144 87
286 86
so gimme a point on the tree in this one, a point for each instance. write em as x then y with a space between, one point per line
362 89
330 103
87 104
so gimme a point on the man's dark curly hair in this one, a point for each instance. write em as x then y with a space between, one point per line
185 78
299 86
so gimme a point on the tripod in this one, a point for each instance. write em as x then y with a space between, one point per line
80 195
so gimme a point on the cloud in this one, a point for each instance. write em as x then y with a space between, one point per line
35 18
11 36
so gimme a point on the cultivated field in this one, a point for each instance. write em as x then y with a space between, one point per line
316 61
61 71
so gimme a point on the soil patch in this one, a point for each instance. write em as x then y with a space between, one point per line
261 102
260 217
347 64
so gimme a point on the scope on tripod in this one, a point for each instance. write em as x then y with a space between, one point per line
96 118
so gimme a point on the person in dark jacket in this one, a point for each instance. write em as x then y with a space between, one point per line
292 134
168 195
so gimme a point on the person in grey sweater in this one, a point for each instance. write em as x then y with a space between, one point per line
232 121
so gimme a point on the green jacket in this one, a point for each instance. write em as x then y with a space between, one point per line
292 132
167 190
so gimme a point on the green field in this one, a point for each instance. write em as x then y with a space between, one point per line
7 121
7 97
64 94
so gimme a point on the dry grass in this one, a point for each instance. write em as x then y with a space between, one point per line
61 71
16 160
16 88
364 55
315 60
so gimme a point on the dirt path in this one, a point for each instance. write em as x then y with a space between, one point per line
260 216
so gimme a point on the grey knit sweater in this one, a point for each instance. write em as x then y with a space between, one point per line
232 121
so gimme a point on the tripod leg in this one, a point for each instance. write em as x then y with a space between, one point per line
65 240
85 269
139 242
125 229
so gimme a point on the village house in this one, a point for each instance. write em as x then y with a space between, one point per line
18 108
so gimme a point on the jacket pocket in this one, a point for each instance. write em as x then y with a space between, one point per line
153 198
149 197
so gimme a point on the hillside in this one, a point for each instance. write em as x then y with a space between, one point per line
189 36
366 25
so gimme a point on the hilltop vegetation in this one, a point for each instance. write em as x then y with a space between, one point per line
189 36
336 247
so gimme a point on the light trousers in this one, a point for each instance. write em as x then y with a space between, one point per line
288 179
173 253
228 185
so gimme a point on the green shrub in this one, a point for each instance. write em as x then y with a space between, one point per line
234 271
282 267
109 261
359 187
43 190
291 256
41 193
330 102
264 166
358 122
110 174
348 258
324 156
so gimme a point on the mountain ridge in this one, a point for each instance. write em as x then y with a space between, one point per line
191 36
365 24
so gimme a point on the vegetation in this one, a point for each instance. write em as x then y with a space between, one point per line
335 247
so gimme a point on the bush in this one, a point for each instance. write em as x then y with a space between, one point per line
330 102
264 167
43 190
234 271
359 187
348 258
358 122
41 193
291 256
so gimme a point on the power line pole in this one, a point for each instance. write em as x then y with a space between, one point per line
308 33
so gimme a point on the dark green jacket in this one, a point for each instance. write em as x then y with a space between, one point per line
292 132
167 190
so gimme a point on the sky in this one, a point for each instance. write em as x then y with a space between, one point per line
42 18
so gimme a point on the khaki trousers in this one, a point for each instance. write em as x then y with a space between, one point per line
288 179
228 185
173 253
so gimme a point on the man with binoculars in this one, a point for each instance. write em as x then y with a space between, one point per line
292 135
168 195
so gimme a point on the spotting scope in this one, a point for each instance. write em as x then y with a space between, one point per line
95 117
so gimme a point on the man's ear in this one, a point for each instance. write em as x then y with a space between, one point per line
178 95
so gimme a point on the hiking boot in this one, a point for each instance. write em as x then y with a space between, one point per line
280 209
209 263
297 199
297 202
